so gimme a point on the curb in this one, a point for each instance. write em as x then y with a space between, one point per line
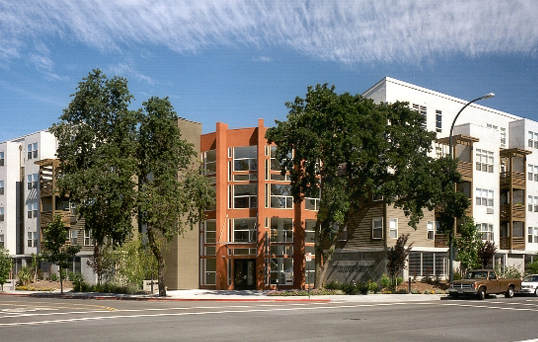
166 299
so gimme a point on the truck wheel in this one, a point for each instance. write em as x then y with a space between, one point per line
536 292
481 293
510 292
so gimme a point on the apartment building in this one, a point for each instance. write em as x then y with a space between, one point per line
20 193
256 237
498 155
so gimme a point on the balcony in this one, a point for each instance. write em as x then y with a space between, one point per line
518 211
466 170
518 243
514 179
46 217
441 240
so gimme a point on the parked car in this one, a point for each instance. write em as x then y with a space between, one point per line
529 284
482 283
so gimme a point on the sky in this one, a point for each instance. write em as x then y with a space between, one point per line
235 61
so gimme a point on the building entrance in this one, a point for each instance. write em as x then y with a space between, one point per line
244 274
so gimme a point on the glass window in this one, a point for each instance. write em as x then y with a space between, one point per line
245 196
1 158
210 271
88 241
210 231
430 230
210 162
393 228
1 187
246 158
2 241
377 228
244 230
1 214
282 269
310 231
281 230
281 196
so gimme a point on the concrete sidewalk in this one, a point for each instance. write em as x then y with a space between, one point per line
233 296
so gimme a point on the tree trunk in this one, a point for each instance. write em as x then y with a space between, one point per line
61 281
160 261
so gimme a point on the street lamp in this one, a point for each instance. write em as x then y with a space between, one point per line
451 236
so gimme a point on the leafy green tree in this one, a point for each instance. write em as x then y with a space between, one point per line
102 262
532 267
347 148
5 266
136 261
57 251
486 253
468 245
97 149
398 255
173 193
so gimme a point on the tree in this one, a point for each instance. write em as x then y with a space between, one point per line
97 149
5 266
398 255
468 245
173 193
486 253
57 251
137 261
347 148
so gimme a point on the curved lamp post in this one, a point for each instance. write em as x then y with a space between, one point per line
451 236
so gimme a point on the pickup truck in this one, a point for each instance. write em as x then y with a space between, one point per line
482 283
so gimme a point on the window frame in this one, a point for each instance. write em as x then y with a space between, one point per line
393 228
376 228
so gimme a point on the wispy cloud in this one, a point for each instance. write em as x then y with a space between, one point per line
346 31
264 59
128 70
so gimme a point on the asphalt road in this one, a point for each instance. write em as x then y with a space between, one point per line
41 319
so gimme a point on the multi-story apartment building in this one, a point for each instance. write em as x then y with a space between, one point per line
256 237
20 193
498 162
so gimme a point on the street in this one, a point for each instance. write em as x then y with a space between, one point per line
42 319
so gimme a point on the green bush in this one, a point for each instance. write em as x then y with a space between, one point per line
333 285
415 291
402 291
399 280
24 276
385 281
532 267
372 286
53 277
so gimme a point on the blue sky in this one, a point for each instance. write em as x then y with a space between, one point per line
237 60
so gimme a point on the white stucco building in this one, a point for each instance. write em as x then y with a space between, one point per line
499 164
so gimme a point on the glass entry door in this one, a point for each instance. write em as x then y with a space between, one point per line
244 274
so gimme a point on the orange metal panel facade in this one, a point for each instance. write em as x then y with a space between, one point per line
238 248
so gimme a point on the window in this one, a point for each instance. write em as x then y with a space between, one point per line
32 239
245 196
1 158
210 271
282 269
276 166
281 230
310 231
88 241
2 241
32 150
281 250
1 214
422 110
533 139
311 203
377 228
484 161
210 162
32 181
246 158
532 203
503 137
486 229
438 120
430 230
532 235
281 196
244 230
393 228
343 236
484 197
532 171
73 237
210 231
1 187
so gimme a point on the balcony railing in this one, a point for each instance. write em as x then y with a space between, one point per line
465 169
518 243
518 211
517 179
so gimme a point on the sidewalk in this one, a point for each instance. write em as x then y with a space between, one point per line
233 296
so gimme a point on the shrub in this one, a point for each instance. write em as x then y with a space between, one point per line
399 280
532 267
385 281
24 276
53 277
333 285
415 291
372 286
